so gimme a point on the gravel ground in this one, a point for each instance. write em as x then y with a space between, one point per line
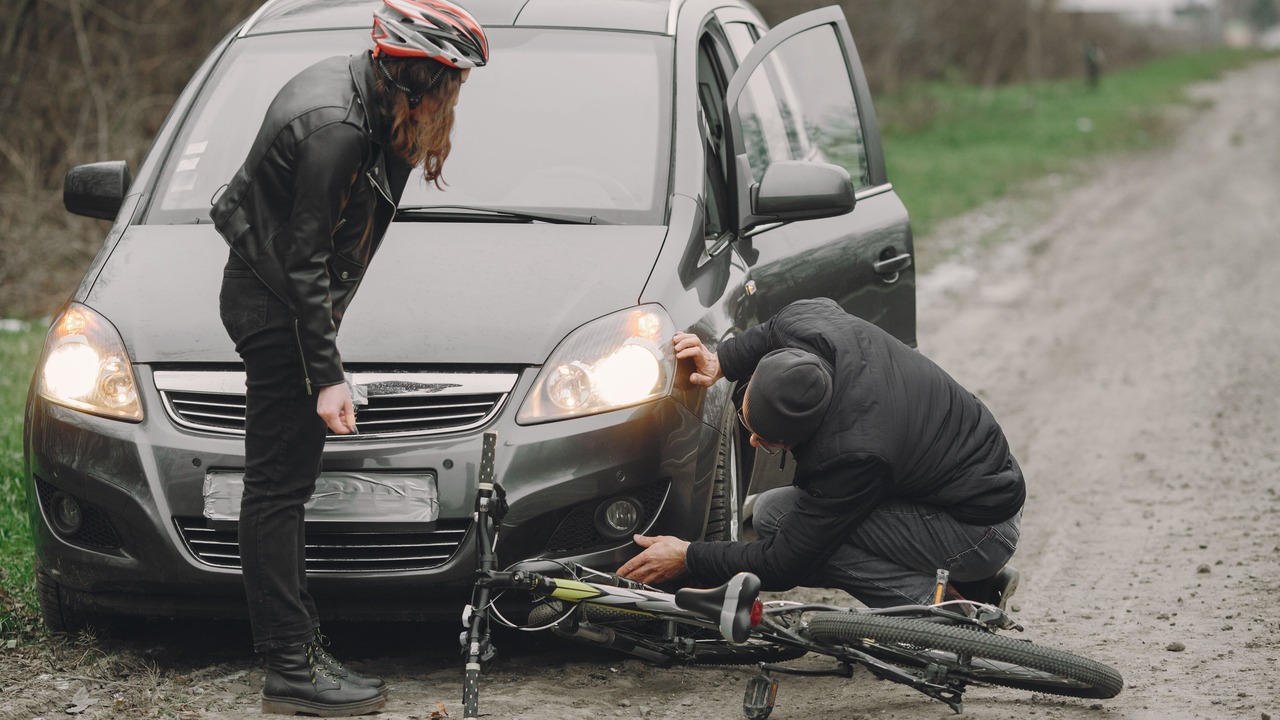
1124 327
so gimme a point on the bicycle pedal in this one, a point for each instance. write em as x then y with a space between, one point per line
757 703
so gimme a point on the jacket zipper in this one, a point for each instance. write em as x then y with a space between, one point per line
297 336
383 193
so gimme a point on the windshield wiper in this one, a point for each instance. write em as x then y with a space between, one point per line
472 213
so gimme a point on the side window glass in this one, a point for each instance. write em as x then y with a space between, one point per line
799 105
763 129
711 85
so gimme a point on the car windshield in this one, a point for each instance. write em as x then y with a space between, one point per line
560 121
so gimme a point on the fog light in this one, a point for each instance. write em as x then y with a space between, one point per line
67 516
618 518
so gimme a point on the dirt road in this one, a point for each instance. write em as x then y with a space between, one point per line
1125 329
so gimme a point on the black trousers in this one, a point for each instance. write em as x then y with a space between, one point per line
284 439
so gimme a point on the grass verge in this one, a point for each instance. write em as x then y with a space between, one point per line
20 346
951 147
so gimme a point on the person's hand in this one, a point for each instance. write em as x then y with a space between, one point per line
662 559
706 364
334 406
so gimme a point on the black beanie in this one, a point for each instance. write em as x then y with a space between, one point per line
788 396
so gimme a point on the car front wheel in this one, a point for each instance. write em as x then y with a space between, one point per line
724 519
60 615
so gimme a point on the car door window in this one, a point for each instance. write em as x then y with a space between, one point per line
712 80
798 103
818 101
764 126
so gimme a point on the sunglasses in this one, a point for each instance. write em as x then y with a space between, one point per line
768 447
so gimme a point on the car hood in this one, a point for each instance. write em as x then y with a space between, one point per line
488 293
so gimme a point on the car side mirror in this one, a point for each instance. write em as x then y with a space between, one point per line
96 190
792 190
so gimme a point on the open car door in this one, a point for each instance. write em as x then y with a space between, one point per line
799 97
799 100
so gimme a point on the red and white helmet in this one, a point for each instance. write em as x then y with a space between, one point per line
435 29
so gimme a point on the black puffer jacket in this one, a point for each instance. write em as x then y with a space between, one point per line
312 201
898 427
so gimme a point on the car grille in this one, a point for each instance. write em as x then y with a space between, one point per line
336 551
399 404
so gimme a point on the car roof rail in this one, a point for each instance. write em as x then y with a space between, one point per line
673 13
253 19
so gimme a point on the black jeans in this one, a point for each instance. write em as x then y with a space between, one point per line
892 558
284 439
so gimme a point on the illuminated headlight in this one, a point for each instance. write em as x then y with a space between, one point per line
85 366
617 361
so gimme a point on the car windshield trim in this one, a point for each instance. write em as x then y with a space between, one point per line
471 213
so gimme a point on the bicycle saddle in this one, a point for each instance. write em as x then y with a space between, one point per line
735 605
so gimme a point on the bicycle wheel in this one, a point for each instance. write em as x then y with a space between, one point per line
691 644
970 654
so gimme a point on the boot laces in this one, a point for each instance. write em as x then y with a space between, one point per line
318 645
315 659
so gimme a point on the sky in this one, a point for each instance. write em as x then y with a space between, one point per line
1151 9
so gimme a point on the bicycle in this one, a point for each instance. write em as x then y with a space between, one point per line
937 649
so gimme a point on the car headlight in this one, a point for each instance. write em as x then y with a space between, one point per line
614 362
84 366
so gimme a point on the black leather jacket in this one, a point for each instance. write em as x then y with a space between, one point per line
312 201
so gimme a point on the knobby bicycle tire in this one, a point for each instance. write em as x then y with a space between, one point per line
709 648
989 658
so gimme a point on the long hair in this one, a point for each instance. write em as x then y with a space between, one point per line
419 136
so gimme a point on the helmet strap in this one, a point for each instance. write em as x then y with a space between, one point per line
414 99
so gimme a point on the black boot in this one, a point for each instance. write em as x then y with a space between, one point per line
319 648
995 590
297 682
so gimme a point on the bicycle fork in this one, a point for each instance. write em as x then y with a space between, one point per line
476 641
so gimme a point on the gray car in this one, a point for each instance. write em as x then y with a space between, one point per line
621 171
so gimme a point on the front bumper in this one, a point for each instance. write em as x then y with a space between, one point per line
140 486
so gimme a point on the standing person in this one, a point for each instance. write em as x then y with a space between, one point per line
1092 64
900 471
303 217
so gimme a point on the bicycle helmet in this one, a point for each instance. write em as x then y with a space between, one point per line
434 29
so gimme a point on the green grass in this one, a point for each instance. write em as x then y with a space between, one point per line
951 147
19 351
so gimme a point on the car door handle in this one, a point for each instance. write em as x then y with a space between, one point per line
892 265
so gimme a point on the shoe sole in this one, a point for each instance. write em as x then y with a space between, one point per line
291 706
1009 589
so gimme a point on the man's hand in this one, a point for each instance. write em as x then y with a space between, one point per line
334 406
662 559
706 364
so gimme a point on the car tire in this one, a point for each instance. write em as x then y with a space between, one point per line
724 517
59 613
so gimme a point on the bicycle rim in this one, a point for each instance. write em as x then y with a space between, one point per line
701 646
970 654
